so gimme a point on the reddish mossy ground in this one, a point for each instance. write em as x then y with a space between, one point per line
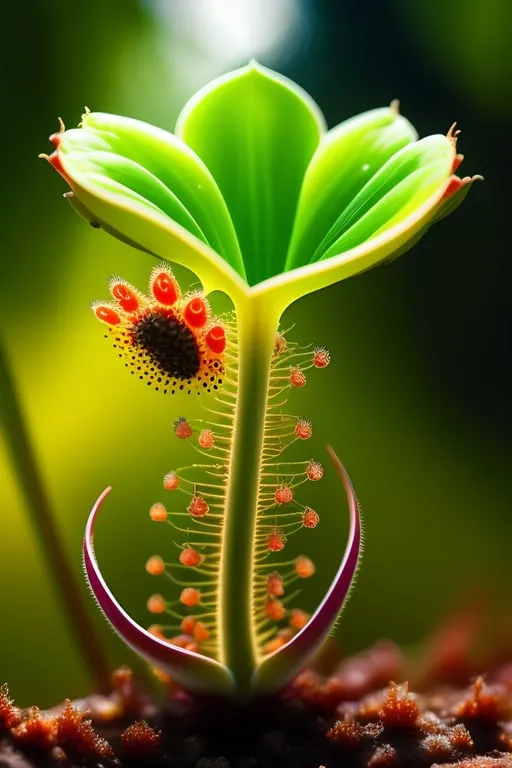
351 716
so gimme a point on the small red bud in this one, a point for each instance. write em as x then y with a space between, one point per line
283 494
297 377
314 470
321 357
198 507
182 428
311 518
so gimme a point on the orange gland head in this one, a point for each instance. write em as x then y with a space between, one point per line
164 287
201 633
314 470
156 604
125 295
321 357
106 314
276 541
190 557
171 481
297 377
155 566
304 567
188 625
275 585
198 507
158 513
303 429
182 428
185 641
273 645
283 494
298 619
206 439
275 610
216 339
190 596
311 518
196 313
156 631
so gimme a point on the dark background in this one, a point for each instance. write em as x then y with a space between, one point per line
417 401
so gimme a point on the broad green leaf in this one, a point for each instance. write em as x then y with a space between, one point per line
397 189
110 171
154 167
390 229
347 158
257 133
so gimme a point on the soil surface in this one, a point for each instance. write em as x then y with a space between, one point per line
351 717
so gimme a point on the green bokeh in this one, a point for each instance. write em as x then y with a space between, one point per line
433 481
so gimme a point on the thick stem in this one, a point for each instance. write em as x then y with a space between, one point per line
257 325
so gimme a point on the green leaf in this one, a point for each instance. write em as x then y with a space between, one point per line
146 187
257 133
397 189
347 158
148 166
398 204
110 171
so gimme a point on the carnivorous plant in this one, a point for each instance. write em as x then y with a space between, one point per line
261 202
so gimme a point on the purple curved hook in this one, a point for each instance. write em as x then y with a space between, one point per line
280 667
192 670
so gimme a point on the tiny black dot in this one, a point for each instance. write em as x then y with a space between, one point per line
95 225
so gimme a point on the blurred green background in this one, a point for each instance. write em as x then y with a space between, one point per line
417 400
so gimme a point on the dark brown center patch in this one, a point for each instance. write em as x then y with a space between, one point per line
169 343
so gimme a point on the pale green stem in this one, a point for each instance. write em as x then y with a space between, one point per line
257 325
